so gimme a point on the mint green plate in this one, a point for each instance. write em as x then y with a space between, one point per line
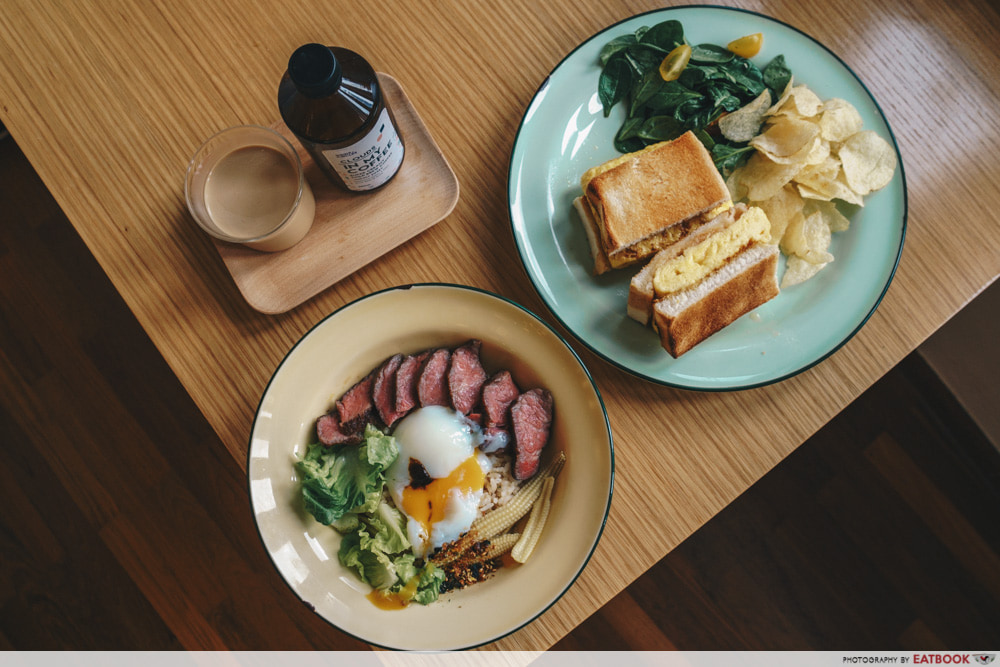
564 133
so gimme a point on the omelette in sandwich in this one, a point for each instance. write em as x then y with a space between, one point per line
691 290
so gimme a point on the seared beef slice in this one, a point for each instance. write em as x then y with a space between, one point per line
531 418
432 387
329 433
406 382
355 408
466 377
384 391
498 394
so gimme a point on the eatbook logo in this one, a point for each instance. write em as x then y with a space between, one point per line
953 658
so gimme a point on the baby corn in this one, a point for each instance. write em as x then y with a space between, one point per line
502 518
536 521
500 545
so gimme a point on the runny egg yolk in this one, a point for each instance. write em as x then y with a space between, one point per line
383 599
427 504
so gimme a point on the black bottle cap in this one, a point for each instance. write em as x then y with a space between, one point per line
314 70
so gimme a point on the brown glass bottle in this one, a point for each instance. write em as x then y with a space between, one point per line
331 100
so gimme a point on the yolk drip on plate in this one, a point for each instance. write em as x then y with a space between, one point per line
384 599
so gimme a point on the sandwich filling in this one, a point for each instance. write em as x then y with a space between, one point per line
701 259
652 244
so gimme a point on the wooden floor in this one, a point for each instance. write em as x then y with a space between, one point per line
126 526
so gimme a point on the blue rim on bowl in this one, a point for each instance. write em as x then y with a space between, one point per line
323 363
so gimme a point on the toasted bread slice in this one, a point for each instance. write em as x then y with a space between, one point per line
600 258
601 263
684 319
650 199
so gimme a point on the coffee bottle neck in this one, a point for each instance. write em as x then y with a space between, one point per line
315 71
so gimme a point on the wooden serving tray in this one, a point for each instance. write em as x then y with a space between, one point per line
350 229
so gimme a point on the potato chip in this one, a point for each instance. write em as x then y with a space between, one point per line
834 219
869 161
808 237
788 141
794 239
803 101
814 187
797 271
737 188
839 120
819 152
810 154
763 178
780 209
813 193
795 223
826 170
820 185
743 124
830 191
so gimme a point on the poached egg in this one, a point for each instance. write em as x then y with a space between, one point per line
437 479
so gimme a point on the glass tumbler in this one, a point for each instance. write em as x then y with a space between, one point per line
246 185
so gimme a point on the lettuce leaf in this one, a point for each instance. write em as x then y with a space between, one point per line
375 549
342 487
429 586
389 526
422 584
359 552
379 552
347 478
380 449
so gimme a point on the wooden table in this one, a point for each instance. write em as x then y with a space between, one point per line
109 99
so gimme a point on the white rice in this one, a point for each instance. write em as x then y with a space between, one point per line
500 484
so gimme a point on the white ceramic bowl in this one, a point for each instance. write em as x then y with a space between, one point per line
343 348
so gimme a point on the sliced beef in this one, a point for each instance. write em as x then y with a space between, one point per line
466 377
384 390
356 407
406 382
432 387
498 394
329 433
531 421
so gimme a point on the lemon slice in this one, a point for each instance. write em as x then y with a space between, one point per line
748 46
675 62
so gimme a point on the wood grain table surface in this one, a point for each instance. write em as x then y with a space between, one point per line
109 100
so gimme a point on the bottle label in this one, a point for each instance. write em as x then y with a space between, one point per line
371 161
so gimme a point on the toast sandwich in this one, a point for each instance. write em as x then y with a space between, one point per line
639 203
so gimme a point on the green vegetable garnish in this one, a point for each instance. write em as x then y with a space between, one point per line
346 478
342 487
714 82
